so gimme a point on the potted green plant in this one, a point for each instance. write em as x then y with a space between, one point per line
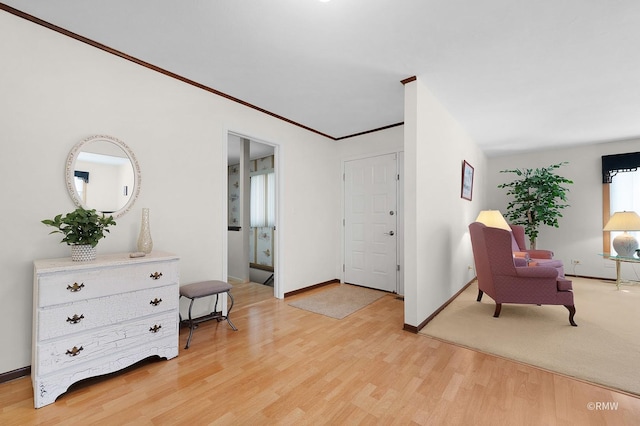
538 198
82 229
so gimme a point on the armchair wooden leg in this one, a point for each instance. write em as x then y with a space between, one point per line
572 312
480 293
496 314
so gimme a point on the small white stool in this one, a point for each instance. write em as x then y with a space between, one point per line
202 289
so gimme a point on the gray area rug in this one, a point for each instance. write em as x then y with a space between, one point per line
338 302
603 349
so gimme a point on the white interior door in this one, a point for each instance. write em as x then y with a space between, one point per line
370 222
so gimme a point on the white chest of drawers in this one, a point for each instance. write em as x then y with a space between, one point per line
97 317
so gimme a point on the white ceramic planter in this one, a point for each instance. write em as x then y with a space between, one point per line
82 253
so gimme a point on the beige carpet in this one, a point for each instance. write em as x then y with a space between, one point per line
338 302
604 348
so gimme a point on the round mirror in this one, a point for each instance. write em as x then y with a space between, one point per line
103 174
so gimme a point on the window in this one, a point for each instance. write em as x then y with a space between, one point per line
80 180
263 210
624 195
263 215
620 190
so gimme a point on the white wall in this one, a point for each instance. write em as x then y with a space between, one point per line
579 236
437 244
236 264
377 143
57 91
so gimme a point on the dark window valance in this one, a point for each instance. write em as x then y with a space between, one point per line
82 175
617 163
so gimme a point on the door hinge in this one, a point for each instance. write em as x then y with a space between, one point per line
343 222
397 267
343 268
397 177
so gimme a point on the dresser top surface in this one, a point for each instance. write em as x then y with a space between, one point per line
115 259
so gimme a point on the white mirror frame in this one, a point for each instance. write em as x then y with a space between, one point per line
70 168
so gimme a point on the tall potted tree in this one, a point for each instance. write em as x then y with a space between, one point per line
539 196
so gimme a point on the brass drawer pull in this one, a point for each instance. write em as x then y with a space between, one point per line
155 302
75 351
75 287
75 319
155 328
156 275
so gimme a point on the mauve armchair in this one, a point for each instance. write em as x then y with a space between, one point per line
504 282
540 257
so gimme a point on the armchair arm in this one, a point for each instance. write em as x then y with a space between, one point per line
537 272
522 255
540 254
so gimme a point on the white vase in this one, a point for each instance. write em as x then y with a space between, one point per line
145 243
82 252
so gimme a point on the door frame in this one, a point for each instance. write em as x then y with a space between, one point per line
278 291
399 210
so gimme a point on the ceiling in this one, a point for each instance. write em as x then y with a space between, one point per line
518 75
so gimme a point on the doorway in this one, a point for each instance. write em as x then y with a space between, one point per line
371 222
252 191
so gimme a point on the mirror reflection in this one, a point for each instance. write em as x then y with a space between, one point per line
102 174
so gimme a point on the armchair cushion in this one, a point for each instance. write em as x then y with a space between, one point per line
520 261
552 263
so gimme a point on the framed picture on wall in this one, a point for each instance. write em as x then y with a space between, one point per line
467 181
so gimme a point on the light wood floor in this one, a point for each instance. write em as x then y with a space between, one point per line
289 366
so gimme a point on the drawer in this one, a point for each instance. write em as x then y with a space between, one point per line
60 320
72 286
92 346
47 388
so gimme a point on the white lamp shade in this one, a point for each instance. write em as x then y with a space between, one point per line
623 221
493 219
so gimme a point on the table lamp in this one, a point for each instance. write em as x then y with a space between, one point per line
494 219
624 244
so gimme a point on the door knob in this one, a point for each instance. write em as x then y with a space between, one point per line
389 233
